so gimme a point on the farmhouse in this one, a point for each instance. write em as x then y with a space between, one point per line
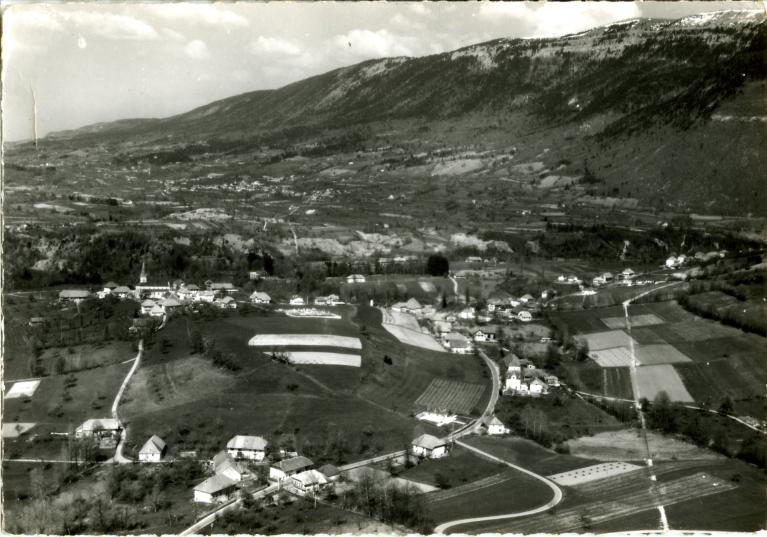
147 306
224 464
467 313
411 306
355 278
330 300
259 297
496 427
105 432
525 316
429 446
221 287
627 274
98 427
441 327
109 286
226 303
309 481
73 295
485 333
288 467
169 304
457 343
157 311
527 297
122 291
538 387
153 450
216 489
473 259
513 373
247 447
296 301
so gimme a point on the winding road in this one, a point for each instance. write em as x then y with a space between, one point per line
556 498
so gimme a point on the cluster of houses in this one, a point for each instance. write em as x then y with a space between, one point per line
523 378
159 299
244 459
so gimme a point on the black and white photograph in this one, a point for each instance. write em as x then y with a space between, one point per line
416 267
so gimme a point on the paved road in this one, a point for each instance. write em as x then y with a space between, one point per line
119 457
556 498
472 427
455 285
372 460
208 519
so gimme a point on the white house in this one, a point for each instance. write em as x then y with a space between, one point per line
525 316
247 447
205 296
169 304
156 311
309 481
496 427
627 274
513 374
147 305
98 427
224 464
216 489
226 303
259 297
538 387
467 313
73 295
483 334
526 298
429 446
355 278
288 467
297 301
457 343
153 450
122 291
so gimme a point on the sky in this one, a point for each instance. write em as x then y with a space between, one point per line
84 63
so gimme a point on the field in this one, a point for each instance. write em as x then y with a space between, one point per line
61 402
636 321
24 388
529 455
304 340
593 473
621 496
504 492
413 338
193 404
324 358
711 360
652 379
613 357
450 397
607 340
461 467
405 328
627 445
396 374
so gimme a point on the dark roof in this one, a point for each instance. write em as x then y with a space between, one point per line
214 484
329 470
294 464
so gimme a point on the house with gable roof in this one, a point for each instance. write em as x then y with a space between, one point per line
153 450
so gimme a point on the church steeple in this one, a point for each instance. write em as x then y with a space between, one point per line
142 276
